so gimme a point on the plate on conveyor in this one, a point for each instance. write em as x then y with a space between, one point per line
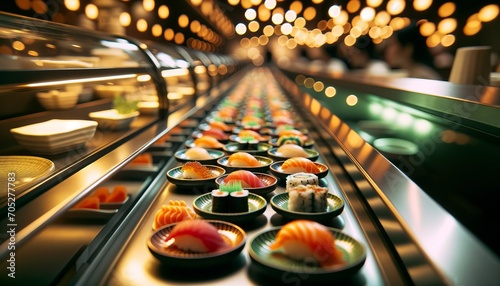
257 149
311 154
277 264
215 155
175 176
269 181
306 144
277 171
202 206
162 249
264 164
335 206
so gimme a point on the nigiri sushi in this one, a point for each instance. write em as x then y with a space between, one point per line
195 170
290 139
247 178
220 125
207 142
250 133
299 164
243 159
291 150
197 153
307 240
196 235
175 211
215 133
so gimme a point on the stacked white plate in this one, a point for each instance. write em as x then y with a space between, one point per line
55 136
55 99
110 119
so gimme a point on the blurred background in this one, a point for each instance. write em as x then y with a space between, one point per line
282 31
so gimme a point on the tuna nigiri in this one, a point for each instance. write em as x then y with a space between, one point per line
243 159
247 179
207 142
197 236
175 211
299 164
307 240
215 133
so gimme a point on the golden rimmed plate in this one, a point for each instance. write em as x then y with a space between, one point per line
264 161
335 206
354 256
215 154
273 153
175 177
23 172
276 170
170 255
260 148
202 206
268 180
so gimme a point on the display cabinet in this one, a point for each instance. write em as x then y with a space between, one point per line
79 111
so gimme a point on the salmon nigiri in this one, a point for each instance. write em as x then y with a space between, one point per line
207 142
250 133
305 240
247 179
243 159
299 164
196 235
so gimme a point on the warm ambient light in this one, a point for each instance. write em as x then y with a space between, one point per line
142 25
395 7
72 5
334 11
351 100
422 5
330 91
149 5
488 13
374 3
446 9
250 14
183 21
124 19
163 12
270 4
447 26
91 11
240 29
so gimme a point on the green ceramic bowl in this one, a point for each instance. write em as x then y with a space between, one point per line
175 177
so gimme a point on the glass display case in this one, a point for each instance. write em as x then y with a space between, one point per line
83 113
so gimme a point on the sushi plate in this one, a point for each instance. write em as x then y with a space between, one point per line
215 154
273 153
260 148
175 177
335 206
202 206
236 138
190 144
307 144
268 180
264 161
354 256
276 170
199 134
173 256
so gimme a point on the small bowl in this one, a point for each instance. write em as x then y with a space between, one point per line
268 180
57 100
175 177
260 148
112 120
172 256
215 154
264 161
202 206
313 155
276 170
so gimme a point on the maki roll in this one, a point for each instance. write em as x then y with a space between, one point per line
309 198
301 178
221 201
239 201
290 139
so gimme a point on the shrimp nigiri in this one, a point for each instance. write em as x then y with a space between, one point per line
305 240
196 235
247 179
299 164
243 159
